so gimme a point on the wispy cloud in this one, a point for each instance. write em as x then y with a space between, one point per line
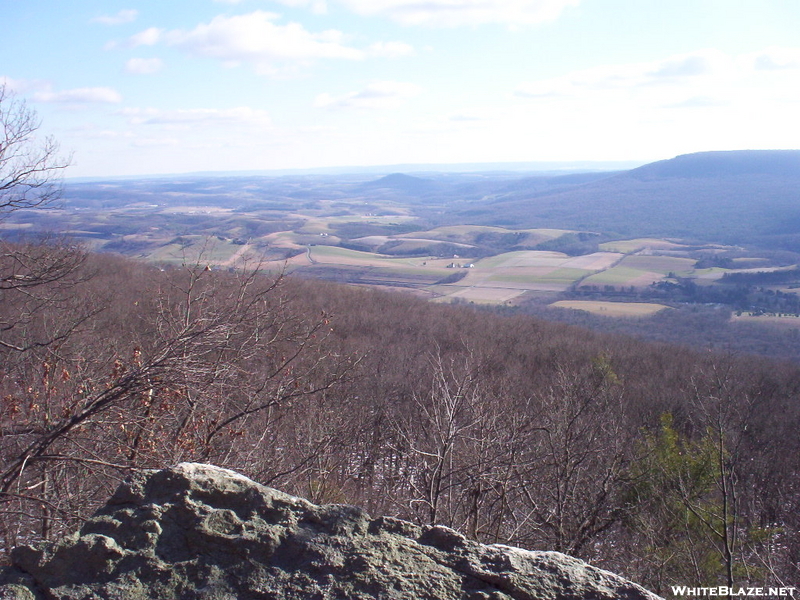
377 95
154 142
143 66
318 7
89 95
241 115
472 115
694 70
687 66
708 95
455 13
699 102
122 17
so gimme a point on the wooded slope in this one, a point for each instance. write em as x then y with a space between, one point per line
659 463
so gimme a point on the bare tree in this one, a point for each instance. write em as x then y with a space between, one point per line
36 276
30 167
202 366
460 439
575 469
32 275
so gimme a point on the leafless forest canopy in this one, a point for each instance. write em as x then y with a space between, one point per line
660 463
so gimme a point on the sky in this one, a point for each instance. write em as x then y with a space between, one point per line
173 86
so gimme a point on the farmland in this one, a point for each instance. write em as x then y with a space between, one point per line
357 230
509 277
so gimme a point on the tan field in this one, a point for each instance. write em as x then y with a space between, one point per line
482 295
638 244
612 309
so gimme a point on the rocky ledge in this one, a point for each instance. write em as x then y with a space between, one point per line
198 532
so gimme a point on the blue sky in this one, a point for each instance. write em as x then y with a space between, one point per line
171 86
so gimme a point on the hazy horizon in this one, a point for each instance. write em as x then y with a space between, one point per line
419 170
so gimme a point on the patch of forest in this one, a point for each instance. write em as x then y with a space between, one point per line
697 326
735 293
664 464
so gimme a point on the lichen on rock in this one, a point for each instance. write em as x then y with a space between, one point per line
198 532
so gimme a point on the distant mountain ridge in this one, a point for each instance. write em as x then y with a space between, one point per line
403 183
725 163
748 197
738 197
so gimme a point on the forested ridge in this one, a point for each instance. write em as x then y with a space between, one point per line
660 463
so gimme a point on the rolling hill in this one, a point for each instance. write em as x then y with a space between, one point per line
400 182
739 198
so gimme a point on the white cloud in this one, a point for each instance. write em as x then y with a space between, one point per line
775 58
137 116
318 7
148 37
391 49
143 66
380 94
80 96
207 116
454 13
257 39
689 65
122 17
23 86
252 38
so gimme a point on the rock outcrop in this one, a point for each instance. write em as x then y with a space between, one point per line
206 533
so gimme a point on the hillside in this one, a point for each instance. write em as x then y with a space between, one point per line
507 429
406 184
749 197
780 163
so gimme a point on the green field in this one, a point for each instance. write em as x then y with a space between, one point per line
523 258
624 276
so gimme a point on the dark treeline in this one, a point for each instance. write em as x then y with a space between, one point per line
697 326
660 463
731 293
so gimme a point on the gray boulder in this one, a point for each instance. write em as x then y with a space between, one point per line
198 532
